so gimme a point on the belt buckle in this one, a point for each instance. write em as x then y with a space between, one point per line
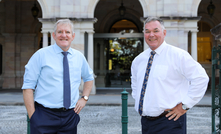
64 109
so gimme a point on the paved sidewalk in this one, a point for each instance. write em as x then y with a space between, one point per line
101 115
101 98
103 120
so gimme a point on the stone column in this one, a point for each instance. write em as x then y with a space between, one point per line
52 39
90 49
185 40
194 44
45 38
91 55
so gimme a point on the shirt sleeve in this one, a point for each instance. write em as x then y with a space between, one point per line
86 71
32 72
197 77
133 80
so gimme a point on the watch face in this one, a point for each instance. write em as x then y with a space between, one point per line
184 107
85 97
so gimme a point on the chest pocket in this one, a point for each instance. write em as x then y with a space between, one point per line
160 71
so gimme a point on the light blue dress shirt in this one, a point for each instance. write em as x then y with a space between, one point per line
44 74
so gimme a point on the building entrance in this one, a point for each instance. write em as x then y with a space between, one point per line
113 56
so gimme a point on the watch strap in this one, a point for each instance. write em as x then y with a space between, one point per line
85 98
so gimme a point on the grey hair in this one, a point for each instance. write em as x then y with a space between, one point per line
150 19
64 21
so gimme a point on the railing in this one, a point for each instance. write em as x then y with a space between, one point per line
216 90
28 125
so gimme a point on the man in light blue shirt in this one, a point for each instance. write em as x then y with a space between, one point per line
44 77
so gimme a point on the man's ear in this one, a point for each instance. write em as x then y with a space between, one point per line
73 36
53 34
164 32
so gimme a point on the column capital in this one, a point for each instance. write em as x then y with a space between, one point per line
88 31
44 31
194 31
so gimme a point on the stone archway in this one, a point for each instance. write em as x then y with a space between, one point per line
44 8
106 67
106 20
93 5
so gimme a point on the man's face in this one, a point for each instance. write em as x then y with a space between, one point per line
63 36
154 34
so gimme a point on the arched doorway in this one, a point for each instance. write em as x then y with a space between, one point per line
113 56
114 53
117 41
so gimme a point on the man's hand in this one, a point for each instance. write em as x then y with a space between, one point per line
176 112
86 92
80 105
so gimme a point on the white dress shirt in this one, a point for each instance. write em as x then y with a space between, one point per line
174 77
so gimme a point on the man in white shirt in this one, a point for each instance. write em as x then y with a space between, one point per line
174 83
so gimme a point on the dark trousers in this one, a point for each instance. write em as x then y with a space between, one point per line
46 121
164 126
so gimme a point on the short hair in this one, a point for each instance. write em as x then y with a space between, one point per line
64 21
150 19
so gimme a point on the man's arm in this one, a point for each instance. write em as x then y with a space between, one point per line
29 101
198 79
86 92
133 80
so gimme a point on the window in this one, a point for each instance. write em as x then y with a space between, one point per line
204 43
125 26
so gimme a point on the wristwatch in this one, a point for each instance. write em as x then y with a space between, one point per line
85 98
184 107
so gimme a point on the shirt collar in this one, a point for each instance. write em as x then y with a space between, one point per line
160 48
57 49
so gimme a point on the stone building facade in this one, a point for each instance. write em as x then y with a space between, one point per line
108 33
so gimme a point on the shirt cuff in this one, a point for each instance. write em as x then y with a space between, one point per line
190 102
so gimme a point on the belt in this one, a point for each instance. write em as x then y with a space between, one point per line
53 109
157 117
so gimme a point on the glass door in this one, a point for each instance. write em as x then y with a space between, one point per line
112 61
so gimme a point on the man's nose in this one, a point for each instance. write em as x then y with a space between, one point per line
151 34
63 34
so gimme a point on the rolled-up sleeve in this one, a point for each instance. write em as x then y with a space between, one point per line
86 71
32 72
